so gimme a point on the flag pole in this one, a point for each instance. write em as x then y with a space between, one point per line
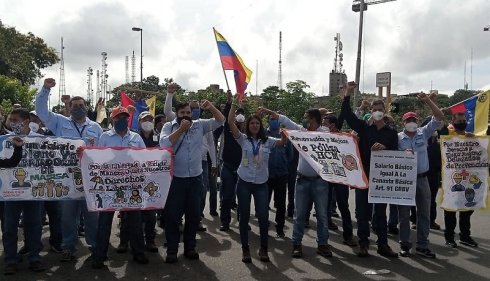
222 66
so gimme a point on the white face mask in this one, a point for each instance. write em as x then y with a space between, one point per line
33 126
147 126
377 115
411 127
240 118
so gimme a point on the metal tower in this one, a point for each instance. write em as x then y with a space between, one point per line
279 78
97 92
127 69
339 57
133 68
62 88
104 76
90 91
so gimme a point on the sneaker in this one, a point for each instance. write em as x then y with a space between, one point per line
122 247
10 269
405 251
151 247
468 241
171 258
56 249
425 253
280 232
451 243
350 242
67 256
224 228
435 226
246 258
386 251
201 227
332 225
37 266
363 251
191 254
24 251
263 254
297 251
141 259
324 251
393 230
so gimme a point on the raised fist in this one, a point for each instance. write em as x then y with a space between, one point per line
49 83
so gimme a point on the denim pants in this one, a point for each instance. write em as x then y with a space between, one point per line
53 209
229 180
183 198
70 219
148 220
133 218
310 191
205 185
364 211
31 213
278 186
245 191
422 202
342 198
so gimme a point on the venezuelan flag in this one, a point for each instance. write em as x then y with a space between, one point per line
232 61
476 111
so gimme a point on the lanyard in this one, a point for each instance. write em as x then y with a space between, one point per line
255 149
78 130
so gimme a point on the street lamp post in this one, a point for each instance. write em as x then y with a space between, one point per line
141 59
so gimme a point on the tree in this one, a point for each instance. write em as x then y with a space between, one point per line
271 97
12 92
461 95
23 56
295 100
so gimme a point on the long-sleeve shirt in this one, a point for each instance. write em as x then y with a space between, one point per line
279 157
188 148
63 126
113 139
167 108
232 152
304 168
209 147
14 160
368 134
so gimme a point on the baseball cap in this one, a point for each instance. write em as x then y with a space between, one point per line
144 114
119 110
409 115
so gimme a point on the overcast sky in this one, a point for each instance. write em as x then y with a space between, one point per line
419 41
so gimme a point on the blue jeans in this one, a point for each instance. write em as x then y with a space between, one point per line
53 209
133 218
245 191
308 191
70 219
229 180
32 229
183 198
364 213
205 185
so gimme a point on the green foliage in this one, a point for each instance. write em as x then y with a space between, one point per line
12 91
22 56
461 95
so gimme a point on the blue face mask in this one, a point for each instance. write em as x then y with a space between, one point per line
274 124
121 125
196 112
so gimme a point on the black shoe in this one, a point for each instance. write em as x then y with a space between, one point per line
97 263
213 213
246 258
56 249
414 226
386 251
264 255
332 226
297 251
425 253
141 259
37 266
224 228
201 227
324 251
435 226
468 241
335 214
393 230
171 258
451 243
350 242
67 256
24 251
280 232
151 247
191 254
363 251
122 248
10 269
405 252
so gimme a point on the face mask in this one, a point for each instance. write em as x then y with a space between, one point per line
79 112
305 123
274 124
460 126
196 112
377 115
179 119
240 118
147 126
16 127
121 125
33 126
411 127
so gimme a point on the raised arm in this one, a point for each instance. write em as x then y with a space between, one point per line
167 109
346 111
231 123
169 138
49 118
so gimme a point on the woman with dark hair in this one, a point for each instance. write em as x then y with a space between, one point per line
253 173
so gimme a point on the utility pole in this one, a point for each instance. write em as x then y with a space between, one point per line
90 91
279 75
62 88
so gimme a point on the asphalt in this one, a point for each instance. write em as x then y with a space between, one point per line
220 258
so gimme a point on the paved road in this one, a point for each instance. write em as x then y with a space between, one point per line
221 259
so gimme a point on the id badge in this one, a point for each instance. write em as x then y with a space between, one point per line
155 138
245 161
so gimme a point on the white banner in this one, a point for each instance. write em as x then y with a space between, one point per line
464 172
393 177
126 178
49 170
335 157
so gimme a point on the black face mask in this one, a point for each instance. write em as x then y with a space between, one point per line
460 126
179 119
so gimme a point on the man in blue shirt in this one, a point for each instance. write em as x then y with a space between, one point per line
185 136
415 139
120 136
75 126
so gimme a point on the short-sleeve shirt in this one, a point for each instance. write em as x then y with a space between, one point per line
254 168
